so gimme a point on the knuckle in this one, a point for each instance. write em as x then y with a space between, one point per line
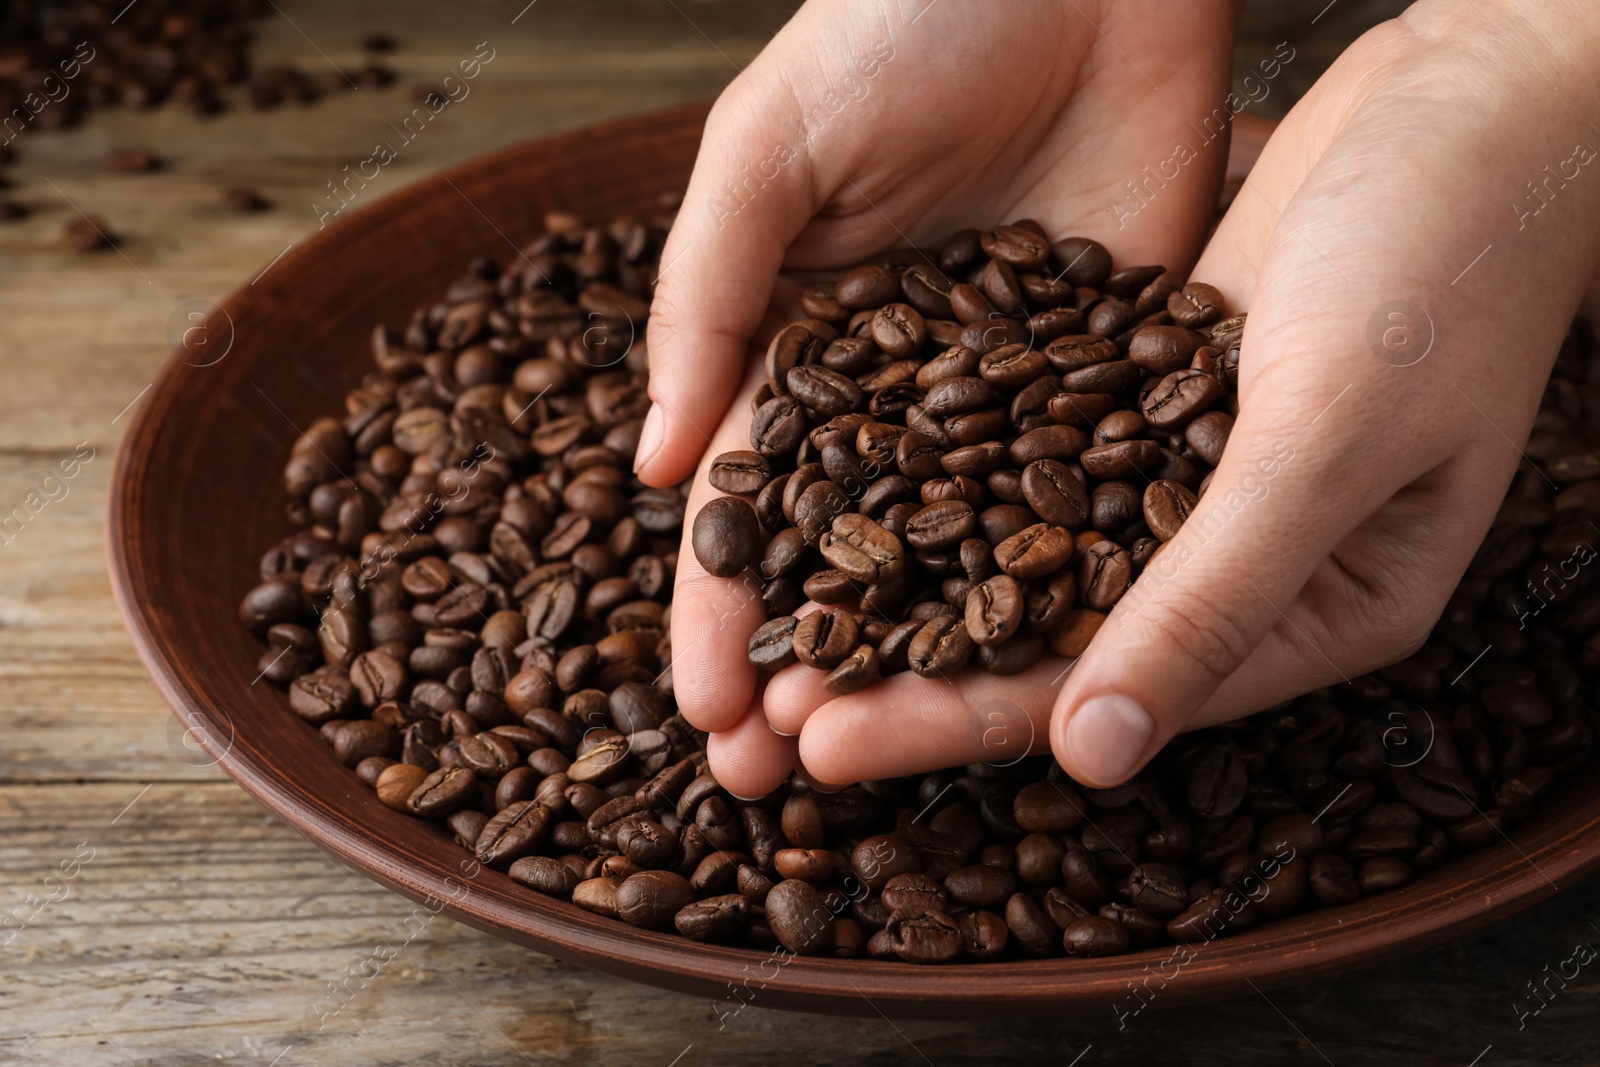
1199 634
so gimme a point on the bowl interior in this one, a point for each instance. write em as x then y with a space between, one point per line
198 498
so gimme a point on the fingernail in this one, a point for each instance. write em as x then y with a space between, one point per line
1107 736
650 435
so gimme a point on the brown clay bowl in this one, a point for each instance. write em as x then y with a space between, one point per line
196 500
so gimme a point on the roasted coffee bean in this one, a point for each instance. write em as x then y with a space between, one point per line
1104 575
514 832
1121 459
862 549
726 536
1055 493
994 610
866 287
799 919
652 899
942 525
899 329
1167 505
1093 936
740 473
1196 305
924 937
1039 550
824 638
778 426
823 391
940 648
1179 398
713 918
772 645
817 507
857 671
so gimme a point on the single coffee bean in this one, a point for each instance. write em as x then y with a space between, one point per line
816 509
1104 575
924 937
1081 261
1039 550
1179 398
799 919
825 392
1055 493
1167 505
899 329
940 648
1196 305
1121 459
942 525
652 899
740 473
714 918
824 638
772 645
994 610
857 671
726 535
866 287
778 426
1093 936
863 549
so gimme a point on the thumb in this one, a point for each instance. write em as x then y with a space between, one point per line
1210 595
744 205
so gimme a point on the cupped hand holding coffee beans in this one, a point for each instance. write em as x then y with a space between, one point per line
1388 375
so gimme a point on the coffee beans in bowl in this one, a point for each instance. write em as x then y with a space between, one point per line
966 455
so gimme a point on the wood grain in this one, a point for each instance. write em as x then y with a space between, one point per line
205 930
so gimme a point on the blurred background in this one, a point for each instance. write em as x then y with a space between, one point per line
150 912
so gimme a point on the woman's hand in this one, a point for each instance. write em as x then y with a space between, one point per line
863 127
1407 290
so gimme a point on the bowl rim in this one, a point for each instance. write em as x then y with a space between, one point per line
1556 846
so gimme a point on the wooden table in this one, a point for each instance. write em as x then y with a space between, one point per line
196 928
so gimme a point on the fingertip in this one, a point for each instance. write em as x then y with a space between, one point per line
792 695
1104 740
749 760
829 742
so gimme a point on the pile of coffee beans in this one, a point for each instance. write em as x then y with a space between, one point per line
972 469
472 609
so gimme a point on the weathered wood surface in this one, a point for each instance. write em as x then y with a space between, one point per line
196 928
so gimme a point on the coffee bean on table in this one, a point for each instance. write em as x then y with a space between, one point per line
726 536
